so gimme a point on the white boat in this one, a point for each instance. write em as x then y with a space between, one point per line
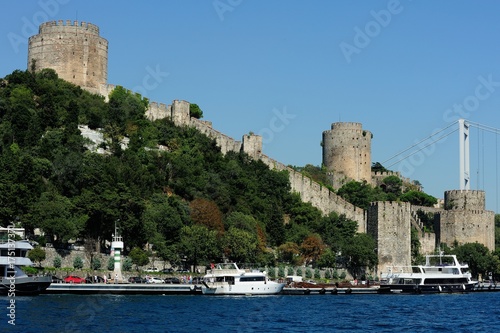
13 281
441 273
228 279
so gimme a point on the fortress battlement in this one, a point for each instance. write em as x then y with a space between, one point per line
347 126
61 25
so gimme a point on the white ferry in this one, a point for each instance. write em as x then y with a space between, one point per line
13 281
441 273
228 279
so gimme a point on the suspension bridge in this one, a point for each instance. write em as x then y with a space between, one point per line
463 127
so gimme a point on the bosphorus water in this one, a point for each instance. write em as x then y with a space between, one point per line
474 312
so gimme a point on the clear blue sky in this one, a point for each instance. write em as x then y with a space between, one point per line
288 69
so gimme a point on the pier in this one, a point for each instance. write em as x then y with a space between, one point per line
123 289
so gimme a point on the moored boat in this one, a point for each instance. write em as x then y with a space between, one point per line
228 279
13 281
441 273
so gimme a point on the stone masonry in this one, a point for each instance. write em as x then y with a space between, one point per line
74 50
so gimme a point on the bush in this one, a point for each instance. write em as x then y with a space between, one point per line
328 274
281 271
289 271
57 262
78 263
317 274
127 264
111 263
95 264
299 271
272 272
308 273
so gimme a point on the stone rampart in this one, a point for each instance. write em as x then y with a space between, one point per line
319 196
464 200
467 226
389 224
62 26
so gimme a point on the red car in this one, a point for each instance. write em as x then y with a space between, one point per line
74 279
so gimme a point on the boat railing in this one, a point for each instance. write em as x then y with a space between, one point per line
397 270
225 271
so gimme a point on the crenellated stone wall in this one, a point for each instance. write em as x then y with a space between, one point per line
389 224
465 219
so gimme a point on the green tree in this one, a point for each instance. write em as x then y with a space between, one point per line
139 257
419 198
58 217
78 262
378 167
127 264
57 262
327 259
359 194
240 245
360 254
392 186
289 252
477 256
37 254
198 244
111 263
195 111
95 264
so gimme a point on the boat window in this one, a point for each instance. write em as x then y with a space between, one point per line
445 280
252 278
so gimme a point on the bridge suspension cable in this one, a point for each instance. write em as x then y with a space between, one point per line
417 144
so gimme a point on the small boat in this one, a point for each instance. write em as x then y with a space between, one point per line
228 279
13 281
440 274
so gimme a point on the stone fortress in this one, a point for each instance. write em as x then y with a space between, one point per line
79 55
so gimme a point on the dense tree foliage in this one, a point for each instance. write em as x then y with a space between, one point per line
361 194
187 201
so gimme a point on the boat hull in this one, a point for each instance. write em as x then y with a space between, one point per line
24 286
241 289
426 289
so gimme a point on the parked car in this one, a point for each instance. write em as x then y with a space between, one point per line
155 280
167 270
172 280
152 270
136 279
182 270
92 279
74 279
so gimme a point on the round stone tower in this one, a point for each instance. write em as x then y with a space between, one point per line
74 50
347 153
465 219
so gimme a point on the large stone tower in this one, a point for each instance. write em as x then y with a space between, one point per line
347 153
389 223
465 219
74 50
